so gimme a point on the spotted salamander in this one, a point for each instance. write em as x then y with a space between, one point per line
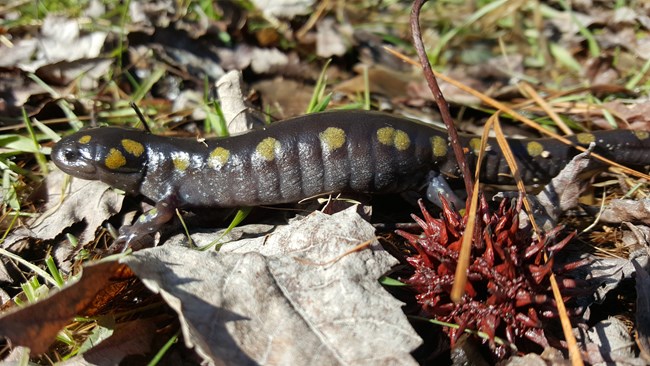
303 157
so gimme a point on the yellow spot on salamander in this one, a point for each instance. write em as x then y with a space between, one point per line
115 159
534 148
148 215
267 148
218 158
332 138
475 145
385 135
181 161
438 146
85 139
585 138
642 135
402 140
392 137
133 147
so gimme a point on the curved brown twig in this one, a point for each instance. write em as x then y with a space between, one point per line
438 97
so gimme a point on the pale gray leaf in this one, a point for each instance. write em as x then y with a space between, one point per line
620 210
559 195
611 270
330 40
239 116
609 341
531 359
305 294
61 40
265 60
284 8
20 51
86 72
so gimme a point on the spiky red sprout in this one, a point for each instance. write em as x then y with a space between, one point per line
508 280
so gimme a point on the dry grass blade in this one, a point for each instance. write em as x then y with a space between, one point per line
572 345
460 275
311 22
500 106
527 121
546 108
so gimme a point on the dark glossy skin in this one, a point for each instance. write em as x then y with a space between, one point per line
302 157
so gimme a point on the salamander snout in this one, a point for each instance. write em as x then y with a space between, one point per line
75 157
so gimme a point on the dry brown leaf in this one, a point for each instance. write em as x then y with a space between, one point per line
284 98
36 325
635 115
381 80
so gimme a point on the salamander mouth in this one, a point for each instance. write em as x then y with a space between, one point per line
71 160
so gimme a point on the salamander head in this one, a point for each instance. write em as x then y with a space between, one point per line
115 156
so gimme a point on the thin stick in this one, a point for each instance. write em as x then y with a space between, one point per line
438 97
472 232
140 116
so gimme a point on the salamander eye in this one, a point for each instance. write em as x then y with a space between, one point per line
71 155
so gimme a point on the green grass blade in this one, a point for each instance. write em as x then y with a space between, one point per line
434 55
73 120
40 157
147 84
34 268
316 102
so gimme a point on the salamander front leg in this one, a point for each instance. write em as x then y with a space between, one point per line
148 223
